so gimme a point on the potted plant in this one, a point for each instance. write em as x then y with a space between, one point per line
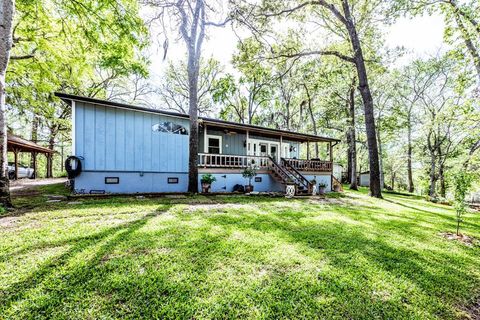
207 180
249 173
321 188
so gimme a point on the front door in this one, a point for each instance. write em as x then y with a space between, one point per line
274 151
286 150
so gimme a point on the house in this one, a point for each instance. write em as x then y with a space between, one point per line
129 149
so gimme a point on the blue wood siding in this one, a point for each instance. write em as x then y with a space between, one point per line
234 143
112 139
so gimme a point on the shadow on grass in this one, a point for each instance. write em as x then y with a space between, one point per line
20 289
357 254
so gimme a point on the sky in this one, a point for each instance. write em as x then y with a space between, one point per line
419 36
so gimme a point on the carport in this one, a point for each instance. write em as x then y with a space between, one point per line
16 145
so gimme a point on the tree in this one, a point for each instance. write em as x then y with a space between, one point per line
462 21
50 54
191 17
7 9
462 182
445 116
343 17
174 89
245 97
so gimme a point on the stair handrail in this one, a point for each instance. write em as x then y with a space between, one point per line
280 168
335 180
301 177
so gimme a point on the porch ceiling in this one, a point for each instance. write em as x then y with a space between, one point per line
267 132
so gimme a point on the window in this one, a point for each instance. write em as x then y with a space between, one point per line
172 180
112 180
97 191
263 148
169 127
214 145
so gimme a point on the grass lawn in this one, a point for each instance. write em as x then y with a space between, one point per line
347 257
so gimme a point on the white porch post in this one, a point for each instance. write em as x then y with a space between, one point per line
205 146
246 143
281 149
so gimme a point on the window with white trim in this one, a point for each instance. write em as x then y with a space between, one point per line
214 144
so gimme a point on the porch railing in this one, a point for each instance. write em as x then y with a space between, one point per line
210 160
310 165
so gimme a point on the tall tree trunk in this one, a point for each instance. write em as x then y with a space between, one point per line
193 138
51 146
363 86
194 41
349 155
441 176
7 8
312 118
465 14
432 191
380 159
353 145
409 155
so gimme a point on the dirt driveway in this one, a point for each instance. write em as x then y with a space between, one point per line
26 186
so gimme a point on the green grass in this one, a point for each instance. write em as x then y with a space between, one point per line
236 257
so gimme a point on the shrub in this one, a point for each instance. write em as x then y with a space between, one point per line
249 173
208 178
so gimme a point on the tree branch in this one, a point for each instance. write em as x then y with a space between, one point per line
318 52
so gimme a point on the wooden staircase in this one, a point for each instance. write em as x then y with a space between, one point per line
286 174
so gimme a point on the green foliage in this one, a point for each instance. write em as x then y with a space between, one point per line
249 173
78 47
208 178
174 87
461 184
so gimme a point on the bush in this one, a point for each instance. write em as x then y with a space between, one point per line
249 173
208 178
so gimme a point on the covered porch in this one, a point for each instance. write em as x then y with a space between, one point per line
16 145
229 145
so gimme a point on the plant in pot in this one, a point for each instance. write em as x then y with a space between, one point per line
321 188
207 180
249 173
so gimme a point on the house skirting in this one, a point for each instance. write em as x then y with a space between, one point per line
99 182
